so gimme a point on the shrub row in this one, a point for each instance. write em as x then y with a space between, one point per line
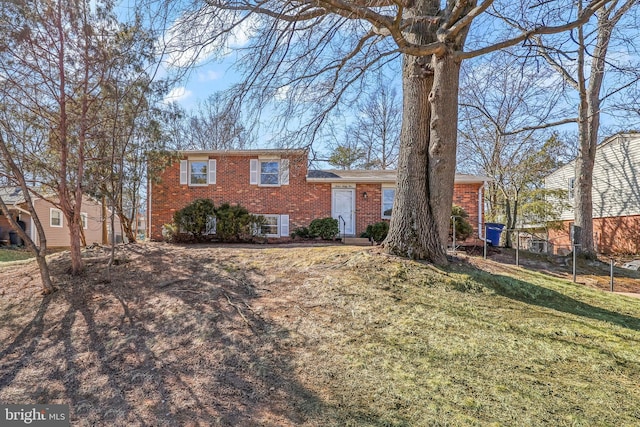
202 221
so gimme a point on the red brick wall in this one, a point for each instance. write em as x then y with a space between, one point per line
620 235
466 196
369 210
302 201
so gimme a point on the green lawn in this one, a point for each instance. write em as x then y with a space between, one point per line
317 336
14 254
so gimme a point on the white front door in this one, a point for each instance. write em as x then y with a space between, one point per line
343 209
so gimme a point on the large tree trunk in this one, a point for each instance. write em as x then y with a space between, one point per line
412 231
426 165
443 141
588 127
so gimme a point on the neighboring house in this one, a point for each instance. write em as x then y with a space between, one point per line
616 196
278 185
53 221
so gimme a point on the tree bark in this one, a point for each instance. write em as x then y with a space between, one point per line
443 141
411 231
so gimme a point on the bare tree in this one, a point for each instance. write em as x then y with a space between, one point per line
13 174
312 53
51 59
583 67
217 124
505 106
377 125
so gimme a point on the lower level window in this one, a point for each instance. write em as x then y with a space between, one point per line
270 226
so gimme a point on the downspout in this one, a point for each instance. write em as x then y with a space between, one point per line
149 184
481 209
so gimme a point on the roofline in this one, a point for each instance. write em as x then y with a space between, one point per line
610 139
459 179
347 180
252 152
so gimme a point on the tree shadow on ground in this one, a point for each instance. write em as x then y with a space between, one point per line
532 294
175 344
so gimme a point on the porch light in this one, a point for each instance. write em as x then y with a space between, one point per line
365 195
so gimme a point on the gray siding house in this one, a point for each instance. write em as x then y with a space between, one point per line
616 195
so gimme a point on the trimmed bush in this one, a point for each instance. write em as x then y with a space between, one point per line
195 220
325 228
463 228
236 224
301 232
377 232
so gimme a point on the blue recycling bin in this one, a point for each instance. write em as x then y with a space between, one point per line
493 233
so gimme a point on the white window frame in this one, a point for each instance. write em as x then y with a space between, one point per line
209 172
51 224
255 172
84 220
277 225
282 225
261 174
191 174
212 225
382 209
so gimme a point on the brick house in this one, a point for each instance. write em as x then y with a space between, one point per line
615 193
278 185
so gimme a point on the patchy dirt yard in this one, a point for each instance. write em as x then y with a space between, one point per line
207 335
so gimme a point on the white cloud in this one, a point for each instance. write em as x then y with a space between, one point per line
282 92
177 94
208 76
207 33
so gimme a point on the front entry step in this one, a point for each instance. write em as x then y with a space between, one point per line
357 241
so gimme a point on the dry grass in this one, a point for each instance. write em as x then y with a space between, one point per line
315 336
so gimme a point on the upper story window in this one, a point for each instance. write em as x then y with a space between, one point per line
269 172
84 219
571 187
55 217
198 172
388 194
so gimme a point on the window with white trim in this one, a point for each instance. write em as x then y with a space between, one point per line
269 172
212 222
270 226
388 195
84 219
55 217
198 172
275 226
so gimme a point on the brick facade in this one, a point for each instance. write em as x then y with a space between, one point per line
612 235
466 196
302 199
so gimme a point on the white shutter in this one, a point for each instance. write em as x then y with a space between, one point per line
183 172
253 171
212 171
284 225
284 172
